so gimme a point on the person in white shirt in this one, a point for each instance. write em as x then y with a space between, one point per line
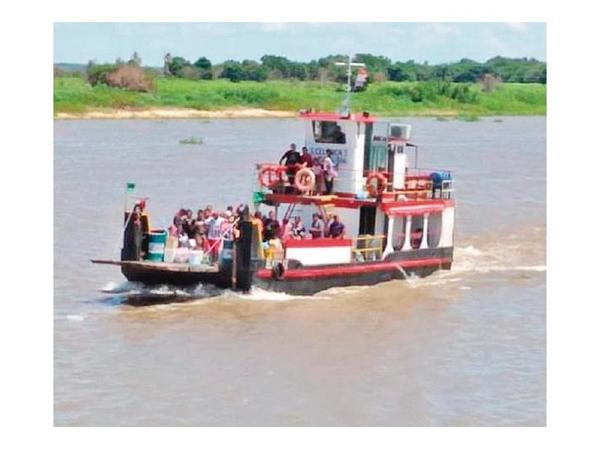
329 172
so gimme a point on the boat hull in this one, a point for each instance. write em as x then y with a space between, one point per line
296 279
398 266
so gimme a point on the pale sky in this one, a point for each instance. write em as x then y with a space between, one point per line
400 41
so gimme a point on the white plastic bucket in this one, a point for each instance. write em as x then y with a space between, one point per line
182 255
196 257
170 254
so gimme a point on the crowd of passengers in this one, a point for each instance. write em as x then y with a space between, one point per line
319 228
323 168
206 229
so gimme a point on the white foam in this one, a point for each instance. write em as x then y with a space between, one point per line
469 250
75 318
258 294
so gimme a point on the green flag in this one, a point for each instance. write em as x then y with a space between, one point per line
130 187
258 197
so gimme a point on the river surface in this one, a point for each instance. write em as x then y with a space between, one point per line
464 347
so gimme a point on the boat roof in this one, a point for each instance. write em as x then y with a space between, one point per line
331 116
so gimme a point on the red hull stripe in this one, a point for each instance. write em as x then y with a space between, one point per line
296 274
313 243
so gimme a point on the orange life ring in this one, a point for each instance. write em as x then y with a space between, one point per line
270 175
304 180
374 191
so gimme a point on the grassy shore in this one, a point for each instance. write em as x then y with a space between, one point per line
73 97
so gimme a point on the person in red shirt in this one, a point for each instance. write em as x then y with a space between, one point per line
305 158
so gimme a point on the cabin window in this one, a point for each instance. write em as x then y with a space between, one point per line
416 232
326 132
434 229
398 232
376 158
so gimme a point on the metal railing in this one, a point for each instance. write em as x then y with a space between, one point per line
371 248
418 183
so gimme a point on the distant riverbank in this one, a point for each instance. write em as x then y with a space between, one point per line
175 113
74 98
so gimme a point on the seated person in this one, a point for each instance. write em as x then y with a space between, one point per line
338 135
415 238
336 228
297 228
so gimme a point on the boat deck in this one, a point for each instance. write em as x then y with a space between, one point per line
160 266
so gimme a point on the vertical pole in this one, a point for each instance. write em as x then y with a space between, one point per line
389 247
348 87
407 227
424 243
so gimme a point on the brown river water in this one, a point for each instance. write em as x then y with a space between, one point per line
464 347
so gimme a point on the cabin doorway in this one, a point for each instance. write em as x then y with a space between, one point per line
366 224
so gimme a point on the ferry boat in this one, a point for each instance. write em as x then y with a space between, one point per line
398 218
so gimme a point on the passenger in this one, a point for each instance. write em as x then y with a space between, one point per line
319 178
286 230
291 159
208 212
187 224
257 221
338 135
240 210
317 226
178 221
270 226
328 223
336 229
416 237
297 230
202 242
306 160
329 172
227 225
214 235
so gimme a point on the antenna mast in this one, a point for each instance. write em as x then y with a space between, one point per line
349 65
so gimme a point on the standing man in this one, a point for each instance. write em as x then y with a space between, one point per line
291 159
317 227
214 235
306 158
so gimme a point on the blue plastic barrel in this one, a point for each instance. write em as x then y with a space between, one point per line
156 246
439 177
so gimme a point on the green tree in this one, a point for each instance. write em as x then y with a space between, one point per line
176 66
203 63
233 71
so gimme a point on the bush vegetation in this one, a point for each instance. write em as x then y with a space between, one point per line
74 94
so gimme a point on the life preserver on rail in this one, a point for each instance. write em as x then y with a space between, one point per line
270 175
376 189
304 180
278 271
